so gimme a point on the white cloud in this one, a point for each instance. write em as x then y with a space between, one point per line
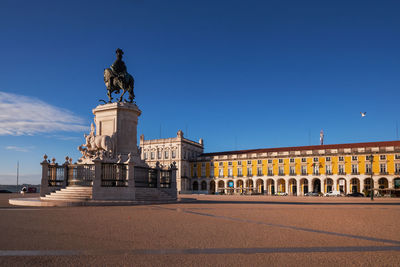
20 149
22 115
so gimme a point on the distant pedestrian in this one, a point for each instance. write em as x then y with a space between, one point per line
23 191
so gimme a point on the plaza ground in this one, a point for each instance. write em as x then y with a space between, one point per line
209 231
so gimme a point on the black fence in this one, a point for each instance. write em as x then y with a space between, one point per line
82 175
145 177
114 175
165 179
55 175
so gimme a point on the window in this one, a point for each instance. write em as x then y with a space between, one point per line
173 154
315 159
195 171
249 162
280 160
230 172
166 154
203 164
203 171
212 164
159 155
291 160
341 169
397 156
354 158
304 170
239 163
194 164
270 172
221 164
397 168
316 169
230 163
280 171
259 161
341 158
259 171
354 168
249 172
240 172
212 172
270 161
184 154
328 169
368 158
292 171
152 154
221 172
145 155
383 168
368 168
303 160
382 157
328 158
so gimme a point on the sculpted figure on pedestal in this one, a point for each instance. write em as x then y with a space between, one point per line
95 146
117 78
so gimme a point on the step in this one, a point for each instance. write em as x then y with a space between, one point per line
66 197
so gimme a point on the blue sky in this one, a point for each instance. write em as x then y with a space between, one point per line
240 74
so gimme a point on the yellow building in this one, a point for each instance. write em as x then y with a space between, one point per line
298 170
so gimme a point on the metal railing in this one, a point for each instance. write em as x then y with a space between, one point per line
82 175
145 177
165 180
114 175
55 175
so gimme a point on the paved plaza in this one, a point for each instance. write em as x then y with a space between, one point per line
208 231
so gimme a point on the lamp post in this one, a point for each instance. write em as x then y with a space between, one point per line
372 181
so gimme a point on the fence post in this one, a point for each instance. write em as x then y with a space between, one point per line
173 175
65 165
97 179
44 185
158 168
131 171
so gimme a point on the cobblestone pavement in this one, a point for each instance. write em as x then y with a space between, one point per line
213 230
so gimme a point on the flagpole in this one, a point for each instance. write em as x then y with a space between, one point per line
17 173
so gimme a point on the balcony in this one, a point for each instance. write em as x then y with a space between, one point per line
342 173
397 172
315 173
328 173
249 175
355 173
383 173
260 174
281 174
304 173
240 175
292 174
368 172
270 174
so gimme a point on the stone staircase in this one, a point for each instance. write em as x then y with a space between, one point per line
71 194
153 194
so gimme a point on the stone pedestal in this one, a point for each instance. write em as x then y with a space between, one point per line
120 121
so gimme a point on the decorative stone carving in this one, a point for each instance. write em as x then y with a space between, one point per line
100 146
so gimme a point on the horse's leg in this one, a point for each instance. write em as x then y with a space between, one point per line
122 95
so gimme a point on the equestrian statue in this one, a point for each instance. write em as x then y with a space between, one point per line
117 78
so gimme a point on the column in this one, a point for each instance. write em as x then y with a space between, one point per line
44 185
297 187
216 186
287 186
265 187
361 185
348 187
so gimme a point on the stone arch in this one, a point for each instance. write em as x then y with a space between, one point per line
195 186
383 183
221 184
316 185
354 185
249 185
293 187
342 185
329 185
203 186
304 188
396 183
271 186
260 186
281 186
212 187
240 186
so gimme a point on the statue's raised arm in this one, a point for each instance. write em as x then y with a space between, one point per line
117 78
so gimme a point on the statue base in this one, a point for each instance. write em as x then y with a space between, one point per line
116 134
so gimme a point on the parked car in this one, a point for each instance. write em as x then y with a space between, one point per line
5 191
281 194
355 194
311 194
333 194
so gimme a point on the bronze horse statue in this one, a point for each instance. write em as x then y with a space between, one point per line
117 78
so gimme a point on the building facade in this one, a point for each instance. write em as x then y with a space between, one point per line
178 149
298 170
